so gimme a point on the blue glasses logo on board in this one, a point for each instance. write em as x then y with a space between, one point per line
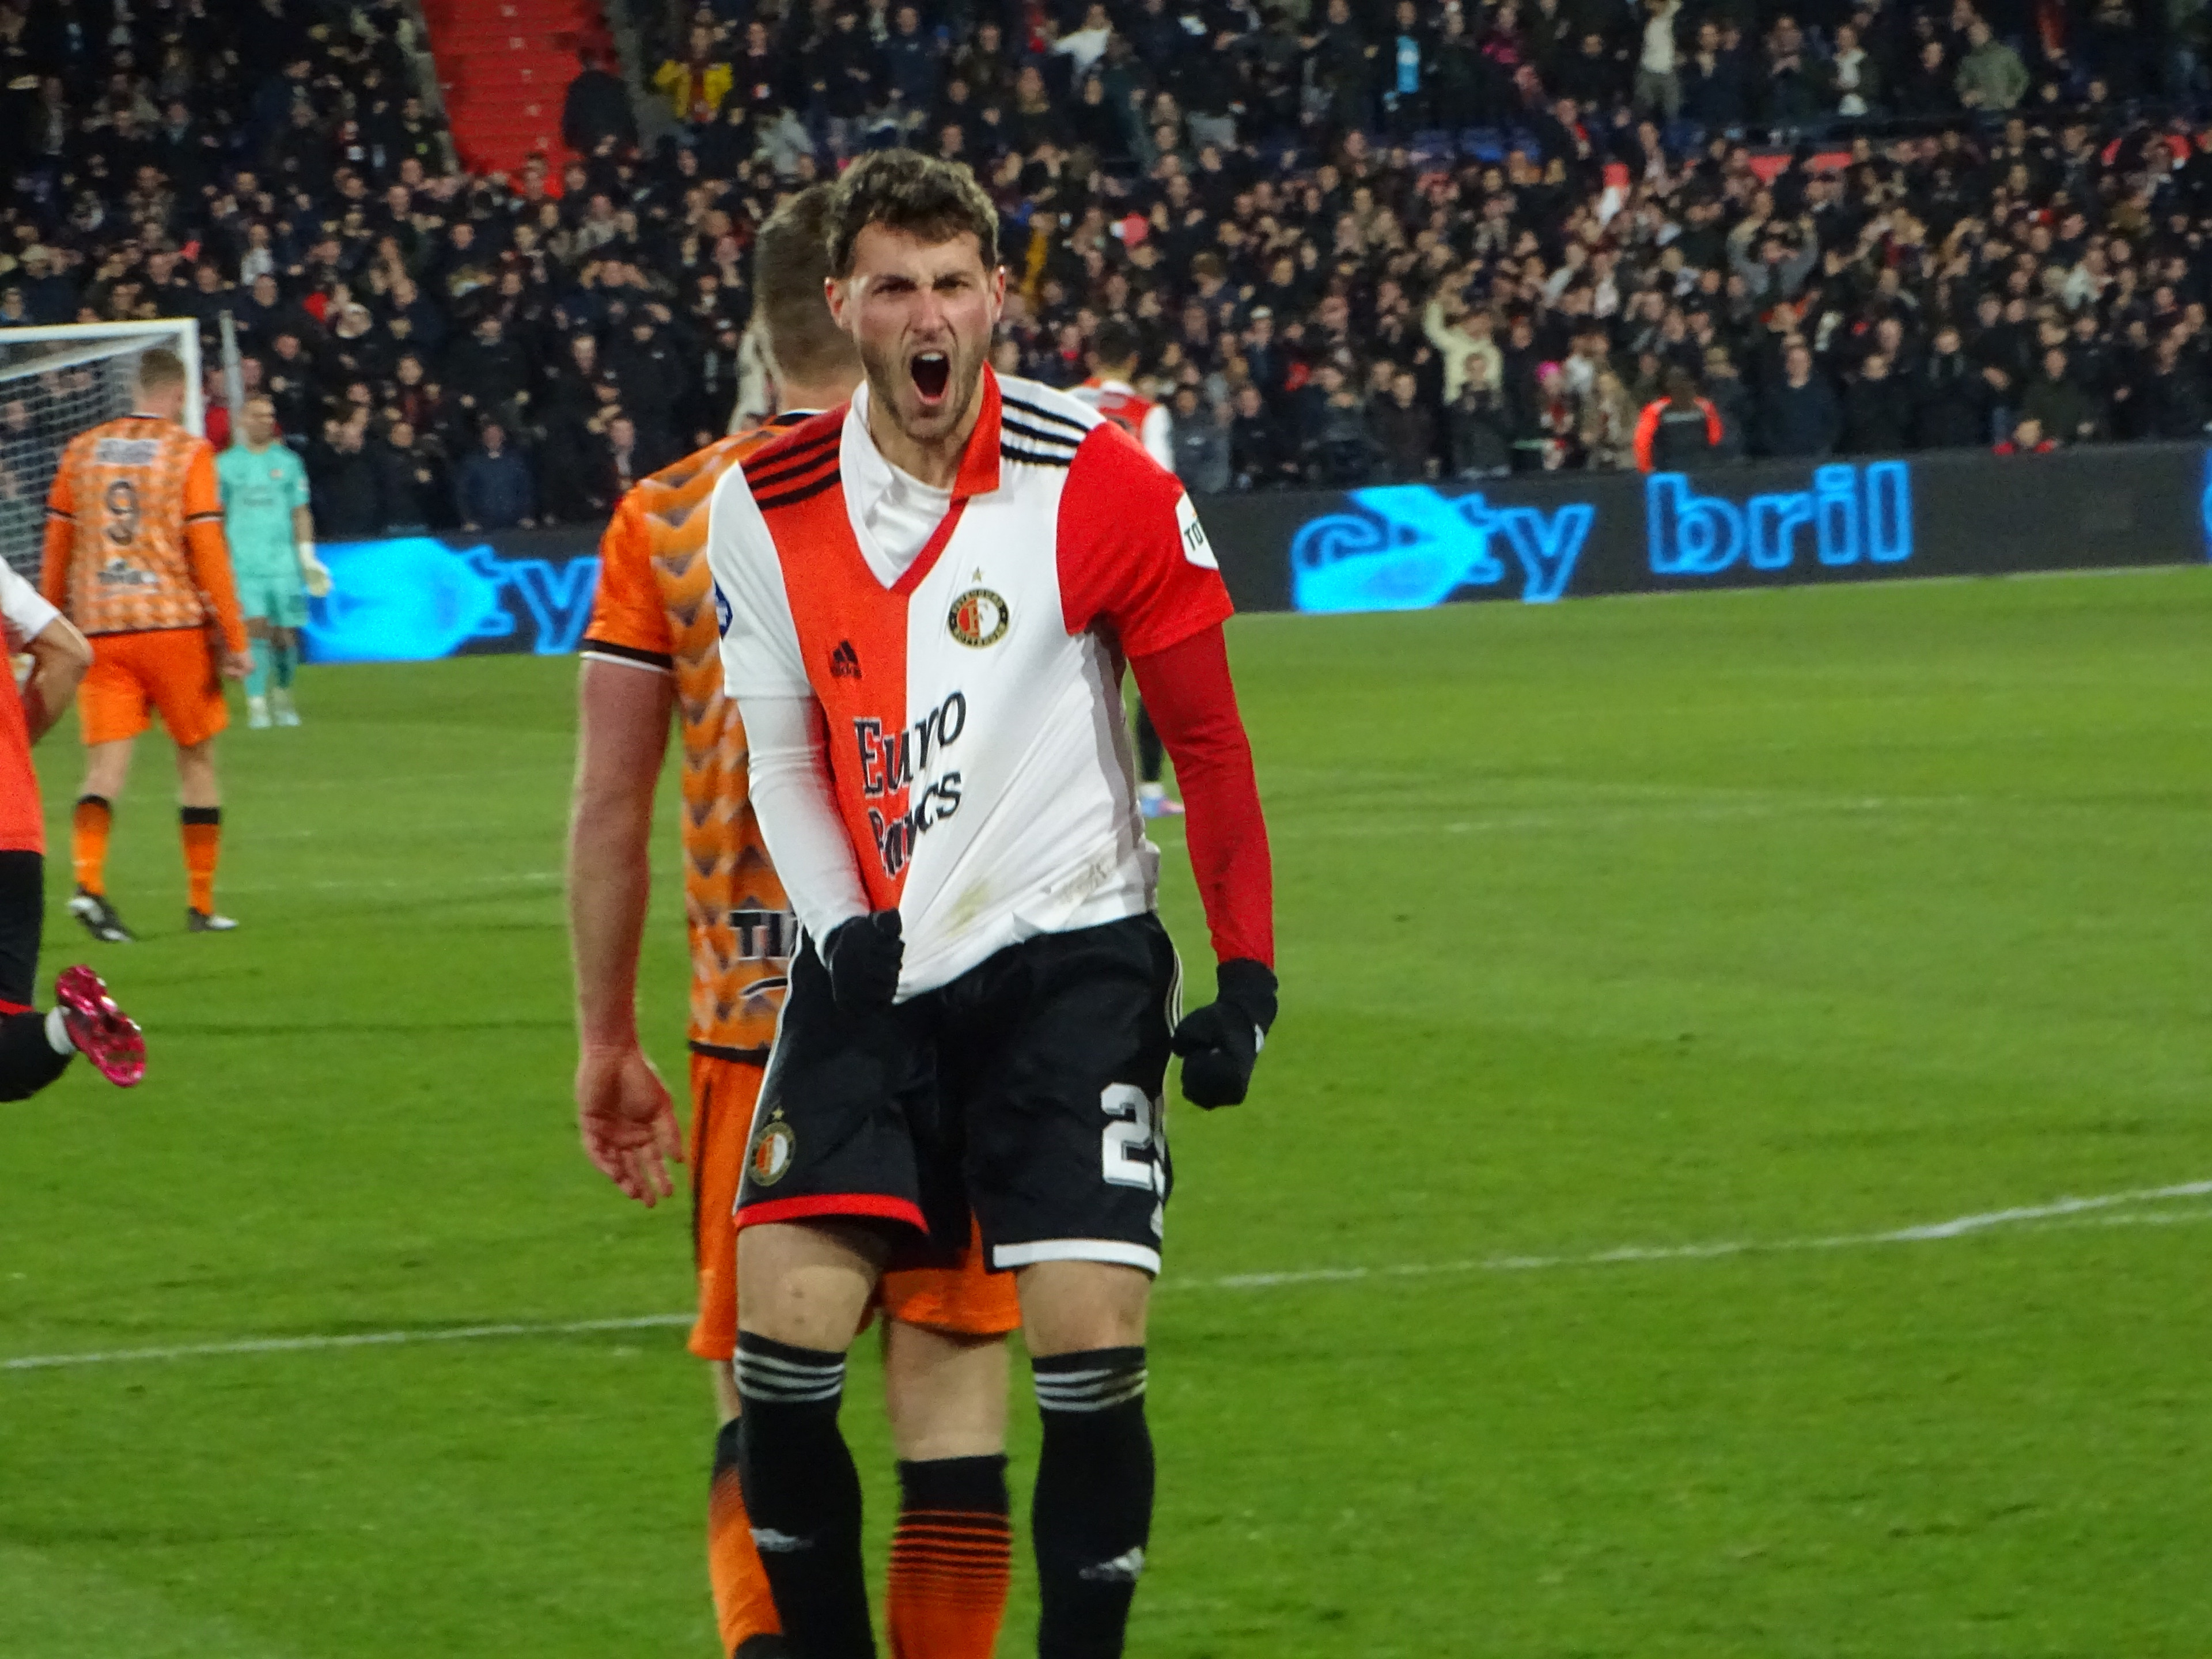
1411 547
415 599
1851 514
1406 547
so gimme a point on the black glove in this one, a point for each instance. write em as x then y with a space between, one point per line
1219 1042
863 956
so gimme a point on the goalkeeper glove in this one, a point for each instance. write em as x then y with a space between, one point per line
1220 1042
864 956
313 572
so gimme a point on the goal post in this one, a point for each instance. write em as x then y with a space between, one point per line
57 382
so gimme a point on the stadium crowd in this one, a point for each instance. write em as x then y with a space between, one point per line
1368 242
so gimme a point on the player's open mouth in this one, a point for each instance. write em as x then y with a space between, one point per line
932 372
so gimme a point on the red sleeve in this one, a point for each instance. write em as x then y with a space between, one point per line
1188 693
1133 554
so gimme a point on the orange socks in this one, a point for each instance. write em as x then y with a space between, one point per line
949 1559
88 826
202 833
743 1605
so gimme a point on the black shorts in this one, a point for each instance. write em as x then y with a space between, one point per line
22 917
1030 1091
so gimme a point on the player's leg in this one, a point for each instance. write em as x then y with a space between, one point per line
802 1290
723 1095
288 615
188 694
36 1048
199 825
1068 1164
258 677
287 641
944 1382
113 709
831 1173
1091 1516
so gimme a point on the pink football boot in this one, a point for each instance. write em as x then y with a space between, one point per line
103 1033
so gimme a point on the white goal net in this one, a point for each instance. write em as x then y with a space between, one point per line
56 382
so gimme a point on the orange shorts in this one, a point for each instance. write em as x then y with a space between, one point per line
171 670
967 1299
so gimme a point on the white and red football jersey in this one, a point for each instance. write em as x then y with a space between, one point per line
976 748
1148 422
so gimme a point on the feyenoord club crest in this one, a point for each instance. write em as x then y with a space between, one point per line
773 1149
979 617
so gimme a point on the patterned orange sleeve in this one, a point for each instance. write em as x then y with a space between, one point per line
629 619
209 551
61 532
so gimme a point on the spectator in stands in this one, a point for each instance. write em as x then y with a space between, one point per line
2067 413
596 108
345 482
1403 432
493 486
695 83
2028 439
1801 417
410 482
1200 441
1877 411
1260 454
1480 425
1990 75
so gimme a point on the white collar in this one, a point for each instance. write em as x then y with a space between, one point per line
869 474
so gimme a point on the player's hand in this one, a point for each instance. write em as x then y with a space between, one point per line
314 572
1220 1041
237 664
864 956
629 1122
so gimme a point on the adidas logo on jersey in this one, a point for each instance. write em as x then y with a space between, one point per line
844 662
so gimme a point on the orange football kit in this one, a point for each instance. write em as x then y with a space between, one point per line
135 557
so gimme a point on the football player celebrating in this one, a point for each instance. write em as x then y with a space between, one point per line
928 599
651 649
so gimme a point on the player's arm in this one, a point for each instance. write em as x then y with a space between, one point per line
625 695
59 654
312 571
61 537
59 657
1142 568
787 756
209 551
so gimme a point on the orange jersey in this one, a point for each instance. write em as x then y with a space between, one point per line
134 533
654 611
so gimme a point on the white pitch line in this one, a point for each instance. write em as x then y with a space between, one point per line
2062 1211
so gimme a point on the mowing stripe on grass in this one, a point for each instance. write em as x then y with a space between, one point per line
2060 1211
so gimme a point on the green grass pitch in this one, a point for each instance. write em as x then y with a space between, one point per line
1744 920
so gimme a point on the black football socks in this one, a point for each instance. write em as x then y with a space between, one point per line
803 1495
1093 1509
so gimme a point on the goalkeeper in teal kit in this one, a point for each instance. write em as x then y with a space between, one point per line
273 552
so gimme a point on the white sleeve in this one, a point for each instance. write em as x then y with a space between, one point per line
792 796
760 642
1156 436
24 610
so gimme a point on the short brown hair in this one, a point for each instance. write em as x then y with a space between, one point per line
160 368
921 195
791 263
